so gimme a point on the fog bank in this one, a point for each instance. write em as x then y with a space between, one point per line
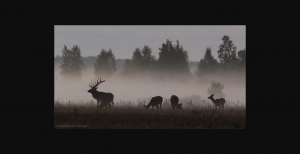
145 87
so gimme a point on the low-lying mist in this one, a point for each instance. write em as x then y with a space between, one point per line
145 87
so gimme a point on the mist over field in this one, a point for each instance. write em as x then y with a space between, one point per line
138 63
144 87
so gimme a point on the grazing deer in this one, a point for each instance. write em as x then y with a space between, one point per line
179 106
218 102
174 102
155 101
100 96
105 103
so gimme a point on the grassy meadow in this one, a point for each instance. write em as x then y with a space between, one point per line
133 115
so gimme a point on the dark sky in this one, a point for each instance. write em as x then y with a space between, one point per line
124 39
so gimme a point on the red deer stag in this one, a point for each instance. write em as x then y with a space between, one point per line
100 96
218 102
155 101
174 102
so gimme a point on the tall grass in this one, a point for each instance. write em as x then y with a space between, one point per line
196 114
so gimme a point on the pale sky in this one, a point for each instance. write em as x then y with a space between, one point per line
124 39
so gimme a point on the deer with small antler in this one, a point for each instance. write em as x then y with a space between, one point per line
100 96
218 102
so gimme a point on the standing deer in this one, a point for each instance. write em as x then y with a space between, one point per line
155 101
218 102
100 96
174 102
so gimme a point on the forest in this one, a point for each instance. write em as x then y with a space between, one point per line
172 60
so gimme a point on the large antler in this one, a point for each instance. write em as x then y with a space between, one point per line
95 85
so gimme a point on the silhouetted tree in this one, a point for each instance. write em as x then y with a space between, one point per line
164 56
172 59
105 64
216 89
242 59
227 55
140 62
147 58
71 65
181 58
137 62
127 68
208 64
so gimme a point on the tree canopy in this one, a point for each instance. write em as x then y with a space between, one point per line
208 64
141 61
242 59
105 64
227 55
71 65
172 59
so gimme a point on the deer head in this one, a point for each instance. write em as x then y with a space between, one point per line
94 86
211 96
179 106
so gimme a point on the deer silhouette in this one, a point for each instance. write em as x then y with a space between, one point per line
218 102
155 101
174 102
100 96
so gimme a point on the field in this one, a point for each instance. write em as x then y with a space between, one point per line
132 115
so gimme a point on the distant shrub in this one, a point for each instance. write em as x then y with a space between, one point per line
216 89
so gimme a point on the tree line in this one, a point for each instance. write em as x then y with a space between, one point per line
172 60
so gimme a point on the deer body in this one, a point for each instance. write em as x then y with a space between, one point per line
100 96
155 101
218 102
105 103
174 102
